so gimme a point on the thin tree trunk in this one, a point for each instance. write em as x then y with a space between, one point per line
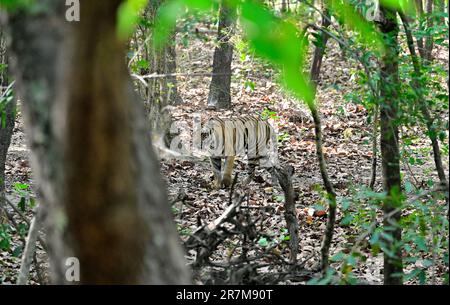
171 68
219 89
441 6
284 176
283 6
30 247
429 121
91 152
429 38
314 75
162 91
393 268
329 230
420 41
320 48
373 176
6 126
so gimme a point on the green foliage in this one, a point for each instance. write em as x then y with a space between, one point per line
26 201
406 6
283 137
274 239
356 22
269 114
424 234
263 242
184 231
128 16
329 278
15 4
5 237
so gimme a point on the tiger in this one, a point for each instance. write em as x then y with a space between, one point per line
239 137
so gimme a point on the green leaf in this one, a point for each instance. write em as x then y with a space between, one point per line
165 22
412 274
347 220
32 202
421 243
427 263
352 261
128 16
22 204
263 242
20 186
281 43
338 257
422 277
409 188
17 251
279 198
345 204
406 6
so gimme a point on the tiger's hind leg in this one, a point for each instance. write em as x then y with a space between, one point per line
252 163
216 164
229 164
271 168
262 163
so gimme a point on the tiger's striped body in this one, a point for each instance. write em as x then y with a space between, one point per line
239 137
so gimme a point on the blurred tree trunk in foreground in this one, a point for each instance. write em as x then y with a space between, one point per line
91 150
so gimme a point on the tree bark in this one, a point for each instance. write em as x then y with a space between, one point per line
91 150
162 91
284 176
219 89
163 61
8 112
390 154
320 47
420 41
429 38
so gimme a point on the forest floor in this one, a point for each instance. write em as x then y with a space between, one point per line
347 147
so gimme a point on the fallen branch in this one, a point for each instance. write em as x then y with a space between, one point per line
30 246
284 176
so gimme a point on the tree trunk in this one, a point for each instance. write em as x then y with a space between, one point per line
162 91
429 38
422 102
91 153
283 6
8 112
390 154
314 76
219 89
420 44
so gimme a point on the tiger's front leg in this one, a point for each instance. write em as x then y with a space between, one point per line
228 171
216 164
